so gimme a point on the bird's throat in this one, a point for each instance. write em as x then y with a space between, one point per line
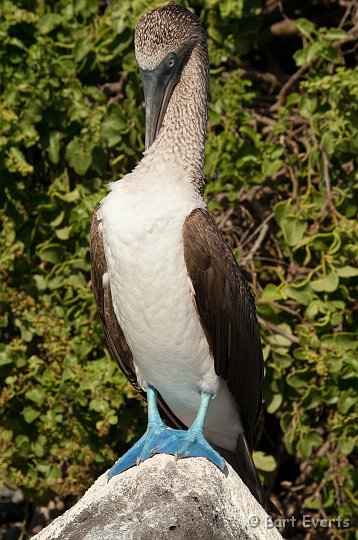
181 137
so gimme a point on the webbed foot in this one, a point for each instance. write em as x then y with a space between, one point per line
142 450
184 444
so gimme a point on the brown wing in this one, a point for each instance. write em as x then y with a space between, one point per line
226 306
115 338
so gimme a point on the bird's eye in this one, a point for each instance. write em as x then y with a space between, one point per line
171 62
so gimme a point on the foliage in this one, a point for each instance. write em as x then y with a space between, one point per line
283 176
62 394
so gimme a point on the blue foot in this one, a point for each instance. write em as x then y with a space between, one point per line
159 439
142 450
184 444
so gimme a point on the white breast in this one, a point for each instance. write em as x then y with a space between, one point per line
142 220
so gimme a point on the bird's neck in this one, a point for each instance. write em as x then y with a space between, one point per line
180 141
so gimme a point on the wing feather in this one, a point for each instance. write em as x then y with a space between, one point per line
226 306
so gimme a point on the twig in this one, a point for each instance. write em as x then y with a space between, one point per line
248 240
266 120
352 35
327 182
279 262
222 218
256 245
281 307
333 528
115 90
290 82
278 330
347 13
270 7
267 77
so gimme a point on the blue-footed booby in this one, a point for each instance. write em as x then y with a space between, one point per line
177 312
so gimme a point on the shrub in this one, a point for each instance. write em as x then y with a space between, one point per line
282 177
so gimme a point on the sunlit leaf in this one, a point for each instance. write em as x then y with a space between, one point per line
264 462
328 283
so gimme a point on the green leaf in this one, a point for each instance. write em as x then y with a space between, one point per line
5 357
347 400
282 209
293 230
52 253
40 282
48 22
302 294
279 340
82 48
271 293
271 167
55 282
264 462
36 395
54 474
25 328
58 220
30 414
16 163
308 106
38 447
112 126
347 271
305 27
308 442
54 146
299 378
328 142
64 233
335 34
275 404
312 398
22 440
86 7
78 156
292 227
328 283
70 197
348 444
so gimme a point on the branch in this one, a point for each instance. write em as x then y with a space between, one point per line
256 245
291 81
277 330
352 35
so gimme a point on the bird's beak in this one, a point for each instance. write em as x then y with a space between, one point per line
158 84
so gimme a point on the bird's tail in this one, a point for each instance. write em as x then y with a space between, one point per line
241 461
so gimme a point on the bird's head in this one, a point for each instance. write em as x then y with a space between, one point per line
164 41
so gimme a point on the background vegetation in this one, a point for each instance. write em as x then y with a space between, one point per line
281 166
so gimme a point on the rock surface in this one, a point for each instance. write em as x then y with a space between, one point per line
164 499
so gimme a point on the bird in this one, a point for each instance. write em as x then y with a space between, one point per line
177 311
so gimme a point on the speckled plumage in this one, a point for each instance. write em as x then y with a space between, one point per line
185 311
181 138
164 30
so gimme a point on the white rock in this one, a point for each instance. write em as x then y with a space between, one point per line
165 499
